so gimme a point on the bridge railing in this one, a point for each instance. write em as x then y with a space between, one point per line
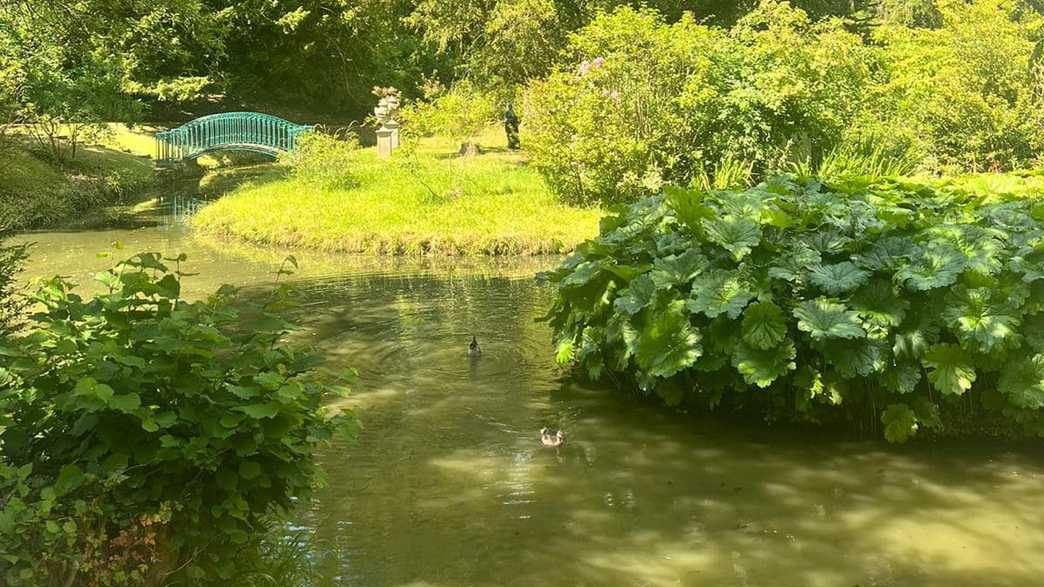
245 131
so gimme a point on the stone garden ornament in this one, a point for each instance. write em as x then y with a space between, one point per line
387 114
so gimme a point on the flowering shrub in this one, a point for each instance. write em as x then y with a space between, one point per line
921 308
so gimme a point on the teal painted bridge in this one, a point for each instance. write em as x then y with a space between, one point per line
229 131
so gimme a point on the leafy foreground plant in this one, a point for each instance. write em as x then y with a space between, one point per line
144 435
12 257
923 307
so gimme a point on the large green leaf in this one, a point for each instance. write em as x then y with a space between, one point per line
763 366
718 293
838 277
737 234
1029 262
980 321
126 402
639 294
877 304
666 343
1033 330
902 377
677 270
949 368
258 411
794 261
1022 382
91 395
825 318
688 206
915 335
937 265
900 423
763 325
886 254
855 358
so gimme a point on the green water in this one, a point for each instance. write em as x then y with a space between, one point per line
448 485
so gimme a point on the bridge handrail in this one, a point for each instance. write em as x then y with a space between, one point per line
254 131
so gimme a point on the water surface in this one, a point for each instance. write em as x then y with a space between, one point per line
447 484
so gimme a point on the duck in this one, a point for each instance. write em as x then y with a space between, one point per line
473 349
552 437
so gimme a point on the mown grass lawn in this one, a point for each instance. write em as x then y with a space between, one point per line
427 202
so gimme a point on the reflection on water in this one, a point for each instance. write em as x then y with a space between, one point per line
180 209
447 483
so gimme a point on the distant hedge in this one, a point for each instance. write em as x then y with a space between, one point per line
918 307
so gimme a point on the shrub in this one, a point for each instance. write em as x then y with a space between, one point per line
963 103
323 160
908 304
459 113
141 432
644 102
12 258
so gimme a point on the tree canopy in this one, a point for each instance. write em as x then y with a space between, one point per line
325 55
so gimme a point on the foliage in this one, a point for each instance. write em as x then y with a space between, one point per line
652 102
962 102
323 160
142 432
12 258
460 113
803 301
35 191
423 200
63 95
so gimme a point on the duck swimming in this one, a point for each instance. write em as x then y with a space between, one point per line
551 437
473 349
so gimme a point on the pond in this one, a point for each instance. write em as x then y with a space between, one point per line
447 483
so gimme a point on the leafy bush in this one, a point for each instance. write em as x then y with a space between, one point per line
142 433
910 304
963 103
11 259
652 102
324 160
459 113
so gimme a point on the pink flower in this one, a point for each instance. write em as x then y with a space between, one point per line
598 62
585 66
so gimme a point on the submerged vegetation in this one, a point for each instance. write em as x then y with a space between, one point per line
144 437
917 306
424 200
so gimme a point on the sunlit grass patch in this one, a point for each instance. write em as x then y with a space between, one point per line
426 202
37 190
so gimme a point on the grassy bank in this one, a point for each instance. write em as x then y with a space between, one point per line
426 202
36 191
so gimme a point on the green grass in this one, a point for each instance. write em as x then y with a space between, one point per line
429 202
35 191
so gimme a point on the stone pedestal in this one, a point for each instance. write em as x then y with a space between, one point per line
387 138
386 112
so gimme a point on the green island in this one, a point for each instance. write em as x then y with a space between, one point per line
521 292
429 202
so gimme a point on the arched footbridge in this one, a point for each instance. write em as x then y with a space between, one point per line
229 131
